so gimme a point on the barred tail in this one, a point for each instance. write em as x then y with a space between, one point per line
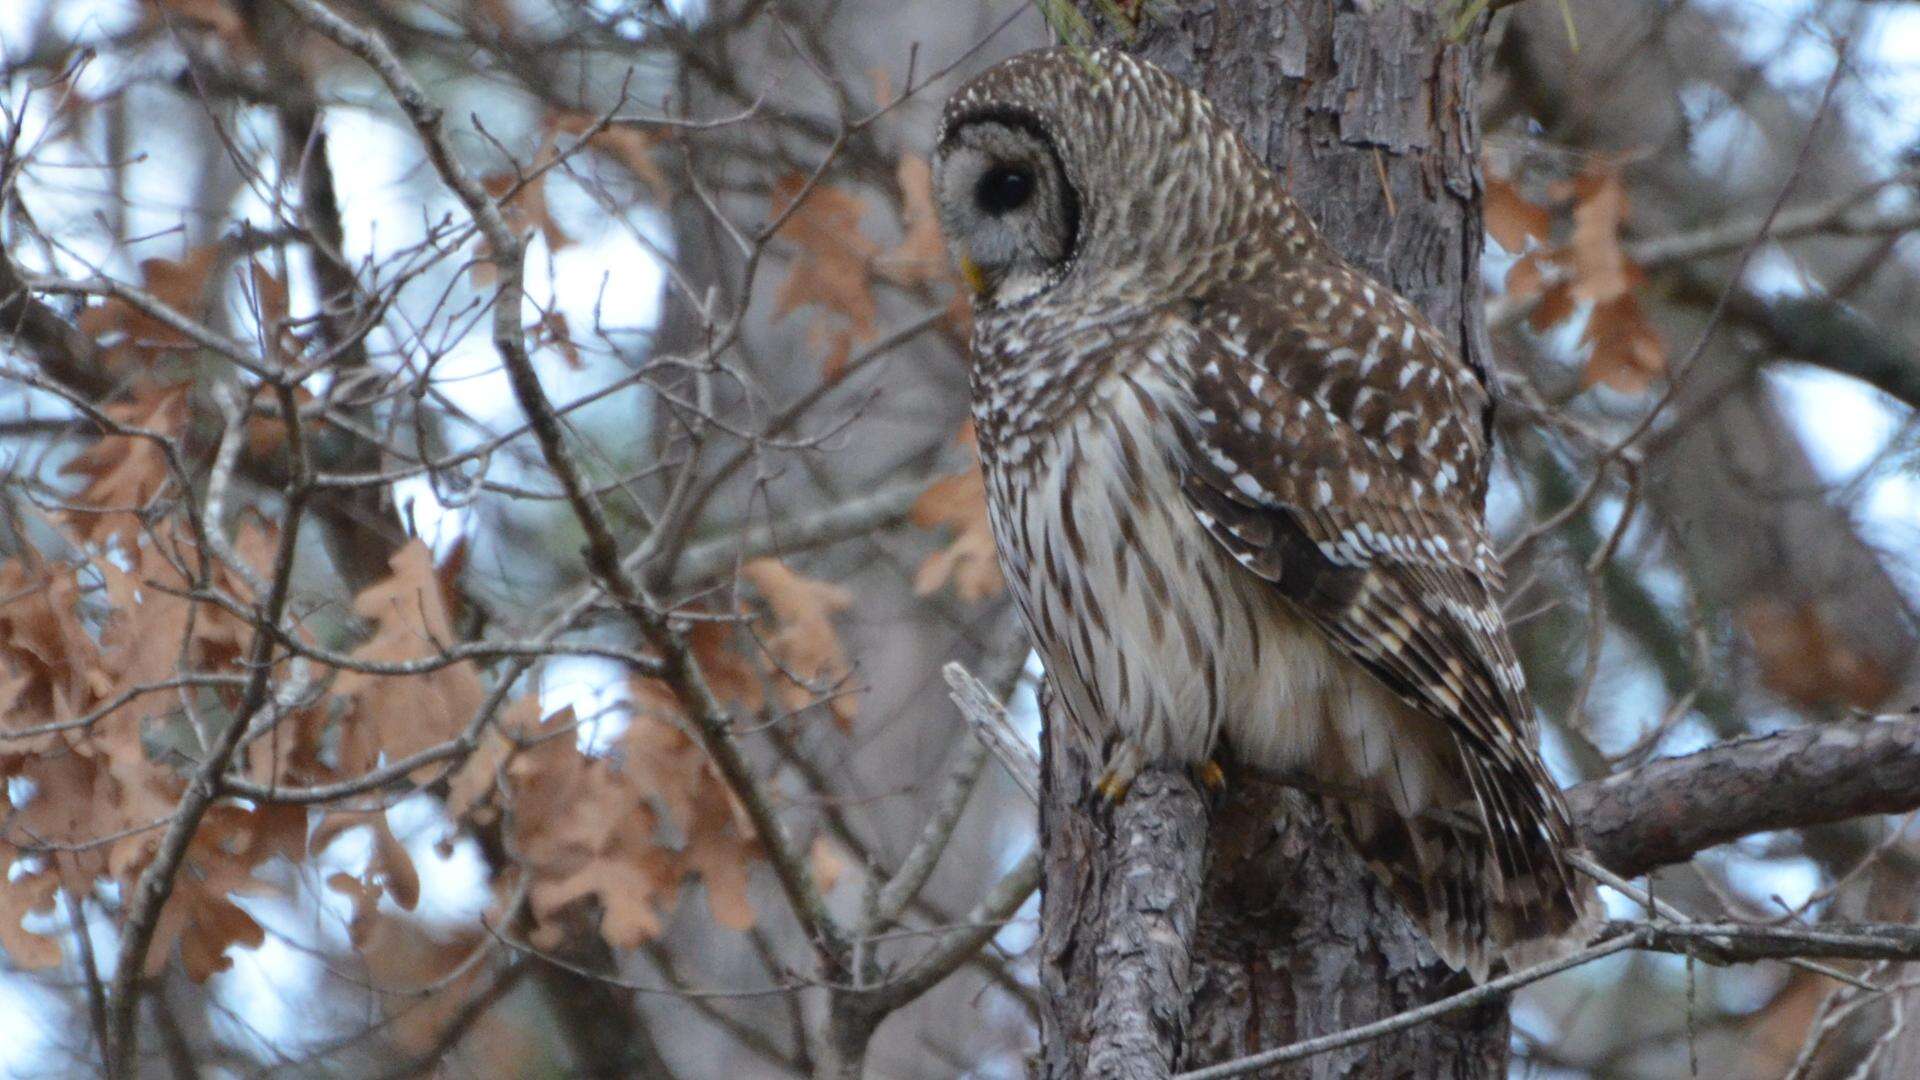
1480 902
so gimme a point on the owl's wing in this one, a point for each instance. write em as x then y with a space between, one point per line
1342 461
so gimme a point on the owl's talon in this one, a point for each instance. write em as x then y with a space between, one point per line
1211 775
1123 765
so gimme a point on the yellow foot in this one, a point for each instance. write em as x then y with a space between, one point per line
1113 786
1209 773
1124 763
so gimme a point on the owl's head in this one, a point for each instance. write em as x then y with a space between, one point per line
1060 169
1009 210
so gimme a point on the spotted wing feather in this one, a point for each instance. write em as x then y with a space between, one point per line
1338 453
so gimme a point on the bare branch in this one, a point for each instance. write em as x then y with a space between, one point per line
1668 809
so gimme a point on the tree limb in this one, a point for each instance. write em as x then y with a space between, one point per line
1668 809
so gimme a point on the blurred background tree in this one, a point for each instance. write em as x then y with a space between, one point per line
487 503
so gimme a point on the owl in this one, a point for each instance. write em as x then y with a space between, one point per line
1237 487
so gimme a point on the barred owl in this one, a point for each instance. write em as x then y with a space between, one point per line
1237 488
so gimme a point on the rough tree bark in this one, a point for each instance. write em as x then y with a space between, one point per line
1370 112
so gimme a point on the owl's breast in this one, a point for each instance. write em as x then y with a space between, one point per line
1150 631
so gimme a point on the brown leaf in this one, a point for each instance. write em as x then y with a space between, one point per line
200 915
969 563
179 285
49 664
123 473
391 717
472 789
832 267
552 330
1555 307
826 862
722 849
586 831
1628 353
1512 219
1599 266
627 144
147 605
1525 279
269 303
216 15
267 433
528 206
389 868
720 845
28 894
804 644
1804 660
402 952
731 675
921 255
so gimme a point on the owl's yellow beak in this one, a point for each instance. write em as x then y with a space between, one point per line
975 277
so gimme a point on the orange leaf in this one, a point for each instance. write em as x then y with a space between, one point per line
552 330
921 255
832 267
629 145
391 717
1525 278
1804 660
586 831
1555 305
123 473
1628 353
827 864
1512 219
1599 266
528 206
969 563
804 643
28 894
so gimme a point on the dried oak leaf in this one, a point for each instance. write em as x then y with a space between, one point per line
200 916
552 330
49 664
1513 219
1628 352
832 266
403 952
180 285
587 830
392 717
805 647
149 604
28 894
218 16
969 563
1599 266
733 677
921 255
472 789
718 841
1803 659
721 848
528 205
121 474
390 870
629 145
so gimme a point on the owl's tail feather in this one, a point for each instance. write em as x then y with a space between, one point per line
1479 905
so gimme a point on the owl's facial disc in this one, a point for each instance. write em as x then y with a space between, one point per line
1009 213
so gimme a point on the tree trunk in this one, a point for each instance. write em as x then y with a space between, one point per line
1370 113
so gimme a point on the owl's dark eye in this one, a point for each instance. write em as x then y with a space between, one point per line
1003 188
